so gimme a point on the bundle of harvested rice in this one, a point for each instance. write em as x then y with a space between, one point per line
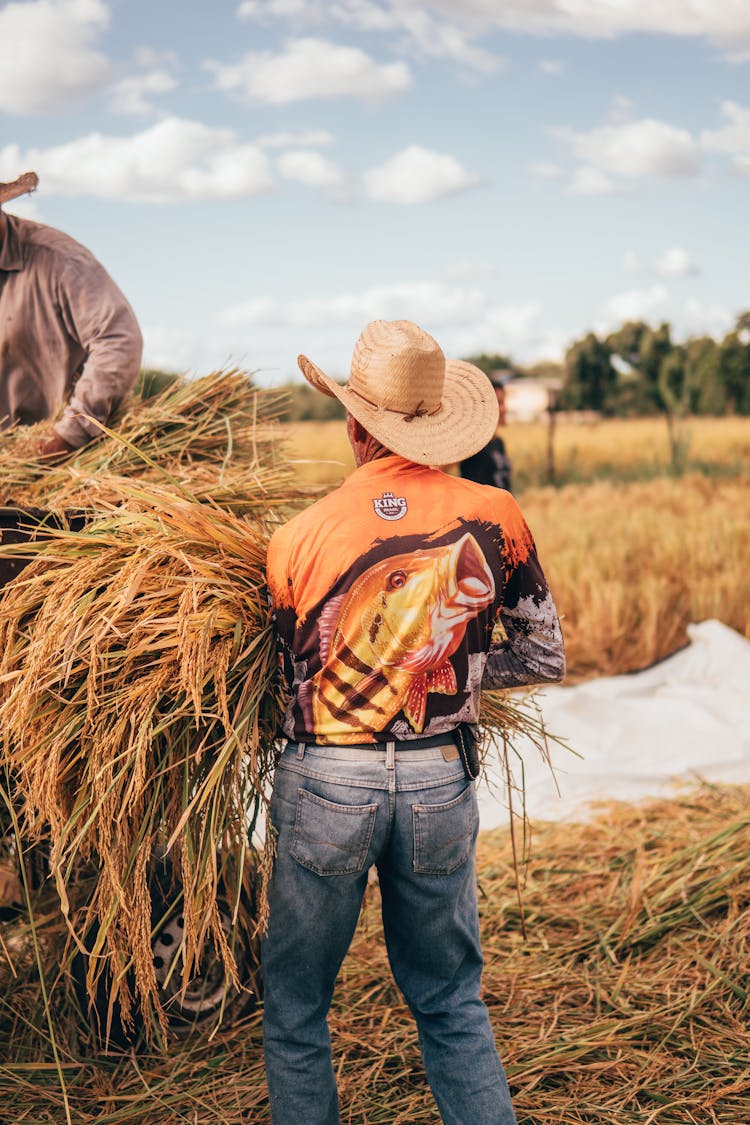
138 709
627 1004
203 427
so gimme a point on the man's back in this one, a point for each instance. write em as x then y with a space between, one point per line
386 593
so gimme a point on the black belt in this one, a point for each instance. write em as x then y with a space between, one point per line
446 739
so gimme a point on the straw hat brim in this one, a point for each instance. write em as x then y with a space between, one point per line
465 421
25 183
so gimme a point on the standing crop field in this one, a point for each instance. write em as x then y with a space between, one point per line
606 449
630 565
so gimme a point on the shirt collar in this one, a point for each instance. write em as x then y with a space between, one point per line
11 254
382 467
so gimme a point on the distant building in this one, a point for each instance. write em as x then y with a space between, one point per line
530 399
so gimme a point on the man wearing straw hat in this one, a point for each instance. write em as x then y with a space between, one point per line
385 594
67 334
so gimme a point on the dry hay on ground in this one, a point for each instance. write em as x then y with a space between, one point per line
628 1003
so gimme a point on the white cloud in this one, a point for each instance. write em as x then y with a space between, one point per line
545 170
632 149
469 271
48 55
591 181
25 207
421 301
552 67
463 318
675 262
697 319
310 168
173 160
733 137
723 22
310 68
149 58
436 38
310 138
417 175
132 95
726 22
633 304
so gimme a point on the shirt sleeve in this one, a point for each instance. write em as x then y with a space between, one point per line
533 651
97 315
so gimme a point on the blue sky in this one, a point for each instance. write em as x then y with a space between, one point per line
262 177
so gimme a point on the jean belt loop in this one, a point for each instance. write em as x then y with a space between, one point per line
300 751
390 755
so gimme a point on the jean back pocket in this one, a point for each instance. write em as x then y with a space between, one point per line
444 834
331 839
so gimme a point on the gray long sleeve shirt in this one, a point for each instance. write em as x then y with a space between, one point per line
67 334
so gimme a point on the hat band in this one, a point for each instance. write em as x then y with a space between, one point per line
408 415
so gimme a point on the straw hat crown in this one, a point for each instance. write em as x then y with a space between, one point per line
398 366
406 394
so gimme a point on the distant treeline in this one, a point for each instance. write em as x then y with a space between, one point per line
640 370
637 370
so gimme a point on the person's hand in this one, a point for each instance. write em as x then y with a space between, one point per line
53 448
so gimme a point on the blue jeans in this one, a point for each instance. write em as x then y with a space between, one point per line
337 811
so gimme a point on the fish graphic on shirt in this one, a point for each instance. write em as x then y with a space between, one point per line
387 642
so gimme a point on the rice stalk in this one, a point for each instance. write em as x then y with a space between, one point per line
214 427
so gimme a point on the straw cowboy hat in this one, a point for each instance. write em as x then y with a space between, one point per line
25 183
407 395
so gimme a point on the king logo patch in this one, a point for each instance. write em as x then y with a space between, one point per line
390 507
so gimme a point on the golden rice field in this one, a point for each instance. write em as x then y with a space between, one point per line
607 448
630 562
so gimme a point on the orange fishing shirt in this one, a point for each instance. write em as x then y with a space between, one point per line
385 594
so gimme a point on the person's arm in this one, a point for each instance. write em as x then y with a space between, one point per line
533 652
281 598
96 314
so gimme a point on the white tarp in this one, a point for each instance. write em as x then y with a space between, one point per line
683 719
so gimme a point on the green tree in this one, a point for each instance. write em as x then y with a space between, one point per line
635 394
590 377
494 361
708 395
656 345
734 370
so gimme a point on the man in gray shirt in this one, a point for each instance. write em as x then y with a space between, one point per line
68 337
